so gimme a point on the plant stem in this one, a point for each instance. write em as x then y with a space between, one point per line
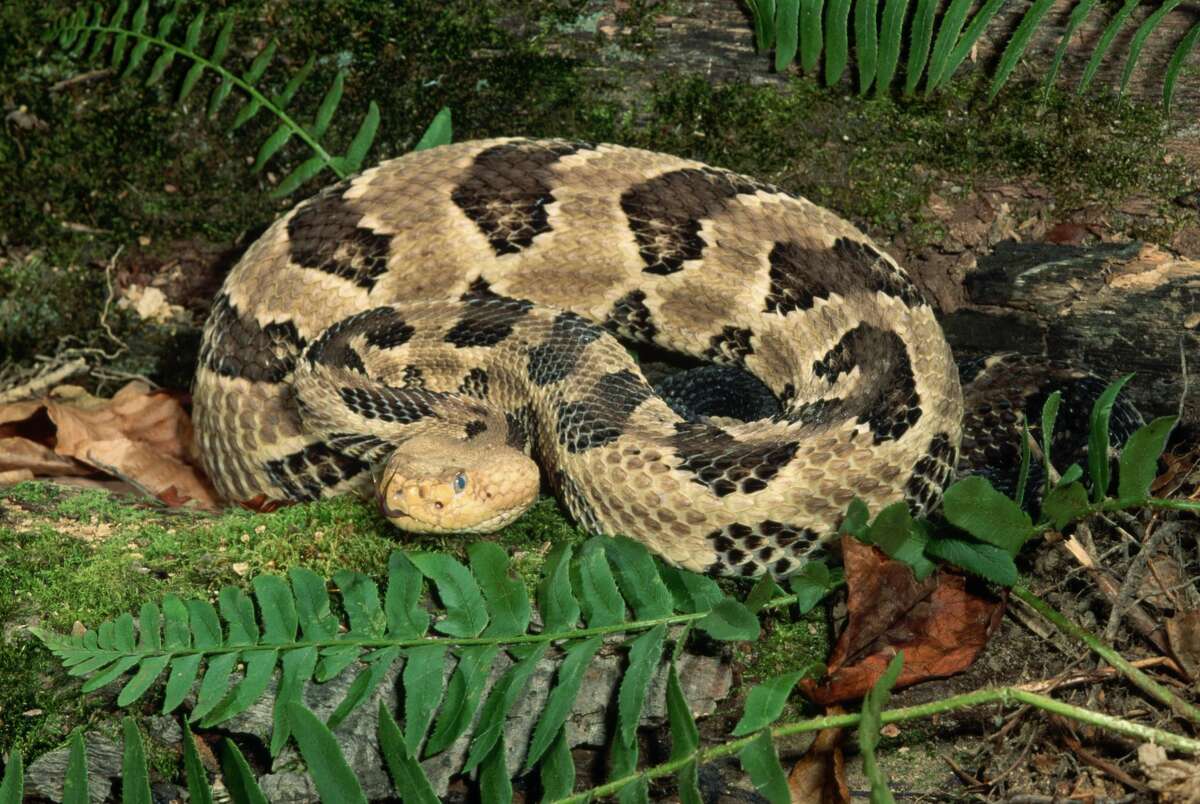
1140 679
1002 695
297 129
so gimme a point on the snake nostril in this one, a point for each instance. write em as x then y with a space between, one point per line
437 506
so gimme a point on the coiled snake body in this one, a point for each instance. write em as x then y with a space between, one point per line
422 328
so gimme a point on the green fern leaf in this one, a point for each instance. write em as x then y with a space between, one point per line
685 740
505 596
1078 14
302 173
787 26
365 683
1175 65
277 609
352 161
1018 43
1110 31
494 785
184 670
556 600
423 691
220 48
644 655
638 578
75 782
149 628
117 57
238 777
238 611
199 791
972 33
558 769
167 57
466 613
149 671
947 35
215 684
298 667
135 775
99 39
890 33
438 132
140 45
335 782
501 699
920 40
866 45
408 777
810 35
329 104
1139 39
280 100
462 696
597 589
12 787
562 697
259 668
762 763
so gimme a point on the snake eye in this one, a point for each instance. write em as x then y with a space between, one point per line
460 482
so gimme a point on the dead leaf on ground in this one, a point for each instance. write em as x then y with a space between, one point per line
1175 780
1183 632
142 436
820 775
942 624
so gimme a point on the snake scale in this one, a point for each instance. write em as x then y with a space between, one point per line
437 328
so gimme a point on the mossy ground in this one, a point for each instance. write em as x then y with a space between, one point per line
113 164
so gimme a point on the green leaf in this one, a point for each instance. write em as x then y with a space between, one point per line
1023 471
685 737
75 783
462 696
811 584
865 45
119 42
1078 14
558 769
297 669
402 603
762 764
857 520
505 596
271 145
787 27
206 626
238 610
1074 472
494 785
123 634
919 40
261 61
438 133
423 690
137 24
114 671
146 675
260 667
360 598
870 724
176 632
238 777
1139 458
562 696
365 683
894 532
1098 467
891 31
179 683
135 777
408 777
499 702
760 594
730 620
190 79
644 655
837 40
1175 65
638 579
593 581
987 561
1139 39
765 702
328 106
278 609
220 49
943 44
973 505
1102 45
312 605
1018 43
1064 504
466 614
556 601
199 791
810 34
974 30
335 782
12 788
149 628
214 685
352 161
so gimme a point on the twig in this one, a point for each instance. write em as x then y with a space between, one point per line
43 382
108 281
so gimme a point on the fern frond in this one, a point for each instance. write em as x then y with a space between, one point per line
1175 65
287 624
117 33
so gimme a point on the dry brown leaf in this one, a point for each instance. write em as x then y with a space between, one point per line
940 623
1175 780
820 775
140 436
1183 632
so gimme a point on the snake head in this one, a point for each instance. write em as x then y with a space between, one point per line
444 485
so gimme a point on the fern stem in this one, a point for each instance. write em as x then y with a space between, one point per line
1006 696
1136 676
236 80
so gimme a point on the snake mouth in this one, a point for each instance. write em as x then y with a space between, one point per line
385 509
